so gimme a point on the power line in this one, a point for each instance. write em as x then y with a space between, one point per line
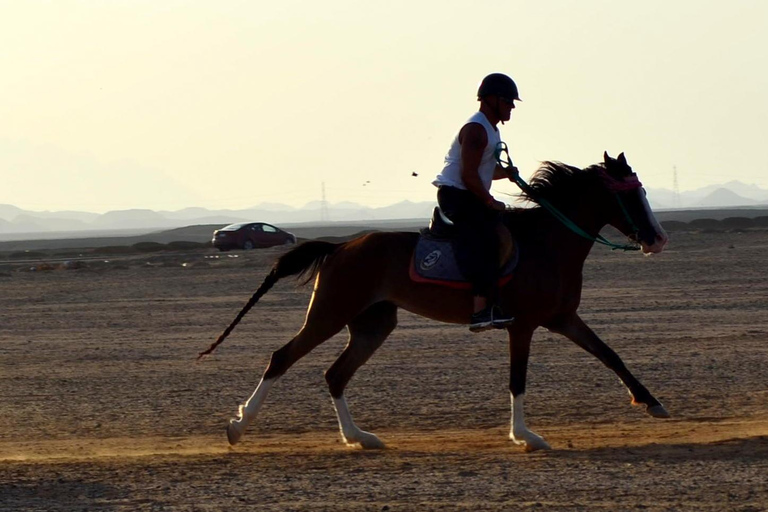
675 188
324 217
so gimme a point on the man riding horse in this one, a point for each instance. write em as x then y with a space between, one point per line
463 195
361 284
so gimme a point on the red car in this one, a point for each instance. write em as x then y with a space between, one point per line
248 235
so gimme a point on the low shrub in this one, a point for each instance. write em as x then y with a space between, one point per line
70 254
115 249
738 222
149 247
27 255
183 245
675 225
706 224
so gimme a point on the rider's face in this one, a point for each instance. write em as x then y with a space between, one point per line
505 108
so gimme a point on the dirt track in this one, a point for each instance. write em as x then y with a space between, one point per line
103 407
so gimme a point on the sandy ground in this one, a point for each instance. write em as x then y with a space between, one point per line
102 406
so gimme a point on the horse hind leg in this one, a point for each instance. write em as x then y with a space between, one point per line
366 334
312 334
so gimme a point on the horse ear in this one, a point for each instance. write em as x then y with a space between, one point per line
606 158
622 159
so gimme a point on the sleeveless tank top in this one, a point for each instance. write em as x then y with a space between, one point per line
451 173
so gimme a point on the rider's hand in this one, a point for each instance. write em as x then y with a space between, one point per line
511 171
496 205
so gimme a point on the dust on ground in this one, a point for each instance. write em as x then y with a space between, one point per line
102 405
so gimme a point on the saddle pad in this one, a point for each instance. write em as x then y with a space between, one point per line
434 262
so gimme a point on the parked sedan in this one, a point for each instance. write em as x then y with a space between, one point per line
248 235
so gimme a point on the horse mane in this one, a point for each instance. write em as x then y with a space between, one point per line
555 181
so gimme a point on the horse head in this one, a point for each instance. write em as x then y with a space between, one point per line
630 212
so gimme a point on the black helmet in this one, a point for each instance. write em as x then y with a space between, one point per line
498 84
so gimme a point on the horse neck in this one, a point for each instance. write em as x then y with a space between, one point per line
559 241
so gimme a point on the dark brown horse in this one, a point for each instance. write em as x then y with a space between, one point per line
360 284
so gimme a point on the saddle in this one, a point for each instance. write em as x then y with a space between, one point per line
434 259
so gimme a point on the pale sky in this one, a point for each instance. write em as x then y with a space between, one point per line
110 105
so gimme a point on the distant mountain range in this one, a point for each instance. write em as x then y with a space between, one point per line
15 221
728 195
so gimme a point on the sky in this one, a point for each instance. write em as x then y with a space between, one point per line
109 105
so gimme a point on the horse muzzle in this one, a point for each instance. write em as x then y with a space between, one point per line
658 244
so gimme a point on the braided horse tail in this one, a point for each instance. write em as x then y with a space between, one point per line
305 259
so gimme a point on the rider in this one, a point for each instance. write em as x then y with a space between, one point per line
464 197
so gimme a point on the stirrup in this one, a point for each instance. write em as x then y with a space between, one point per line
490 317
481 325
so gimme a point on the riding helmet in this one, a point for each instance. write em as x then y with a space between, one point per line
498 84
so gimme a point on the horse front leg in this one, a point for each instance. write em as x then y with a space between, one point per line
577 331
519 350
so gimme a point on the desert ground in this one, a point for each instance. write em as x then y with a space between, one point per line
103 406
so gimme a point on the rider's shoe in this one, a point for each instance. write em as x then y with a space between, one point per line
490 317
501 320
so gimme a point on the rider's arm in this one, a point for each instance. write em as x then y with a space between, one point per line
499 173
473 140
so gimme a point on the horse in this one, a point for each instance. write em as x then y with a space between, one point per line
361 284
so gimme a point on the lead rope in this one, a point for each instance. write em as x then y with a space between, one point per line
506 163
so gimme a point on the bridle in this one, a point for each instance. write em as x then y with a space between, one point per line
612 184
616 186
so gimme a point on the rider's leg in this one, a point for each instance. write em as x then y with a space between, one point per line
477 248
487 312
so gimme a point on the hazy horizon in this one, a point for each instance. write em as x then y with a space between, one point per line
753 196
169 105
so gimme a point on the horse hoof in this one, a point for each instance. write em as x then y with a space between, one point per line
366 440
371 442
233 433
531 443
657 411
536 446
375 444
